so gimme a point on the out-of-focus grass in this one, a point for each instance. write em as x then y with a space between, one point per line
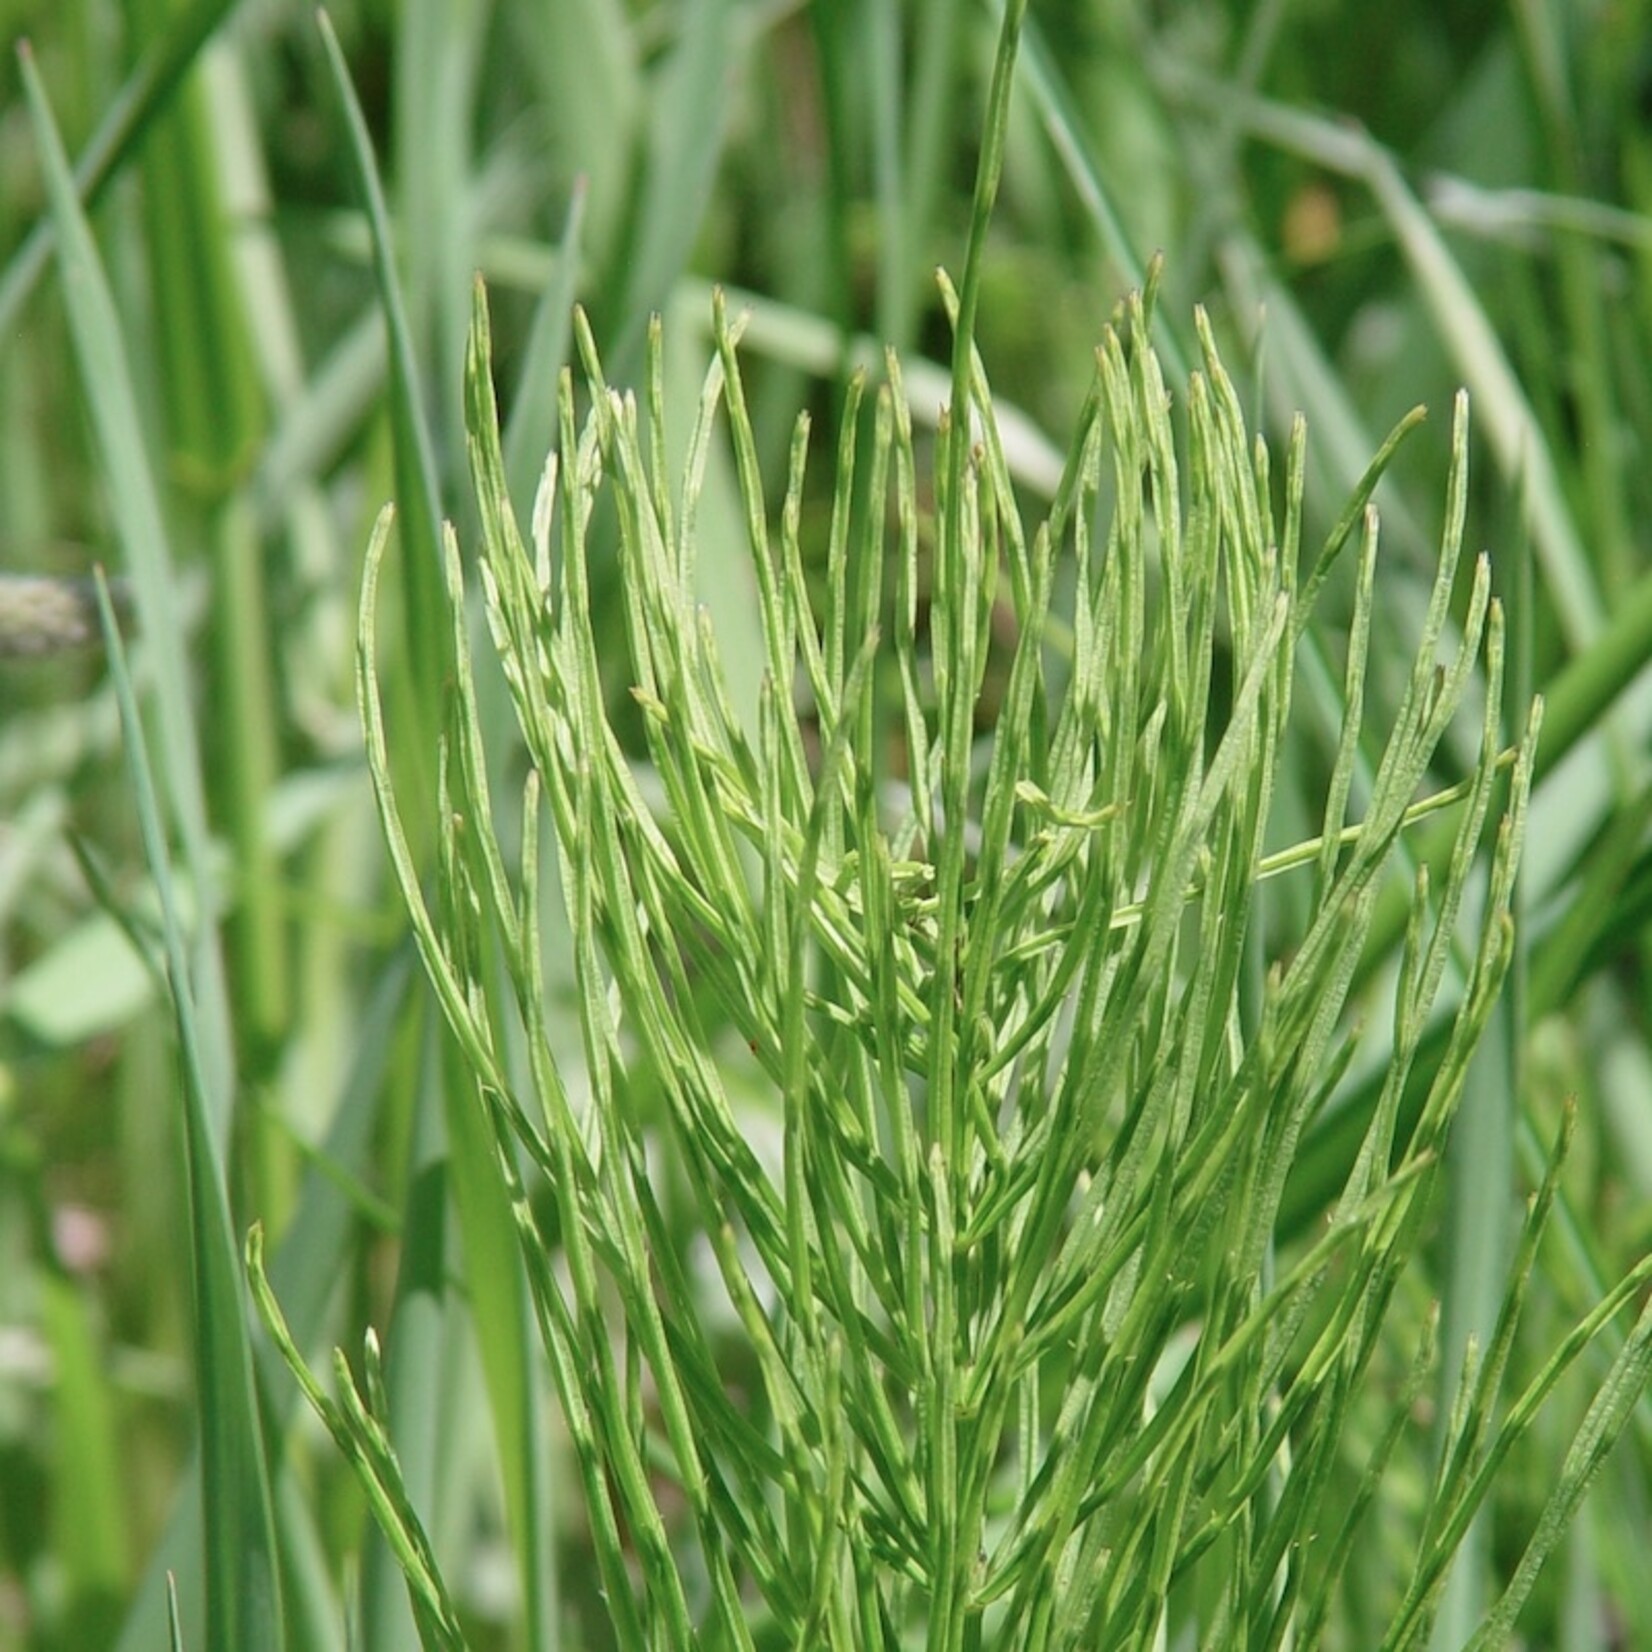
1455 200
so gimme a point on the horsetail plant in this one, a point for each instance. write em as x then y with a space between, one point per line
1027 1369
902 1233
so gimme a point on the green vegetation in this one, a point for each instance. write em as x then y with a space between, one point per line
1014 1031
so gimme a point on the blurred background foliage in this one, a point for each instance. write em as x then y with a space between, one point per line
1377 205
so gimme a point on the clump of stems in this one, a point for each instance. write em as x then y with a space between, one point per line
996 1345
1027 1367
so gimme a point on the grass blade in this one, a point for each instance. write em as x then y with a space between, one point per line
243 1596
